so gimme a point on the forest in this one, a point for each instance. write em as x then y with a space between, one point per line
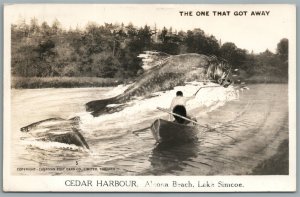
110 51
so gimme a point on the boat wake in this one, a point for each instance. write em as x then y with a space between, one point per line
85 130
144 111
43 145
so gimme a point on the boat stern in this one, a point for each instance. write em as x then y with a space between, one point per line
155 130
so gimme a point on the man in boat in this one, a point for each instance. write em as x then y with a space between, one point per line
178 107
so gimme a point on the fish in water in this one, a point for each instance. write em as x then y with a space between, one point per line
57 130
164 75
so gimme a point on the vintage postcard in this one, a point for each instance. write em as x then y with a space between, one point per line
152 98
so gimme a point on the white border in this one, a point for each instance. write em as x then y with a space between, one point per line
57 183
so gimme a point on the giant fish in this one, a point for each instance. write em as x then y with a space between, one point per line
164 74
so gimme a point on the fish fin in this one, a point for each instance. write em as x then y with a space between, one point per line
152 59
97 107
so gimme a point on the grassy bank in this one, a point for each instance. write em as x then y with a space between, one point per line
62 82
266 79
76 82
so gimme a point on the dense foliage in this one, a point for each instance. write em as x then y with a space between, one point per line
111 50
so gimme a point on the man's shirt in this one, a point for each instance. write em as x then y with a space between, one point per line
179 100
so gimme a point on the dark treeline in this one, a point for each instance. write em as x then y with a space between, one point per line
111 50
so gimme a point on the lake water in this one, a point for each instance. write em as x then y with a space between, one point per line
249 127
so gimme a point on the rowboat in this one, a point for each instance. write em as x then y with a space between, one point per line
167 131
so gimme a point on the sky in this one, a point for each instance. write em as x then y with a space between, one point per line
253 33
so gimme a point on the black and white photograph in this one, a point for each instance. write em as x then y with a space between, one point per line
157 97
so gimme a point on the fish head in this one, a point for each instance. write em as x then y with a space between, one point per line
226 79
220 72
24 129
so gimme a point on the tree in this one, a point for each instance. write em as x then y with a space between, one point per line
283 49
283 53
211 46
234 55
56 27
168 42
163 35
34 26
194 41
197 42
228 50
111 50
46 29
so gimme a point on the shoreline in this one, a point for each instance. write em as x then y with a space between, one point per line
94 82
63 82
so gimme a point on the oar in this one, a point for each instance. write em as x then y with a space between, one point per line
185 118
205 87
197 91
140 130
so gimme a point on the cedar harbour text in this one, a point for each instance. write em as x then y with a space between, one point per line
101 183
